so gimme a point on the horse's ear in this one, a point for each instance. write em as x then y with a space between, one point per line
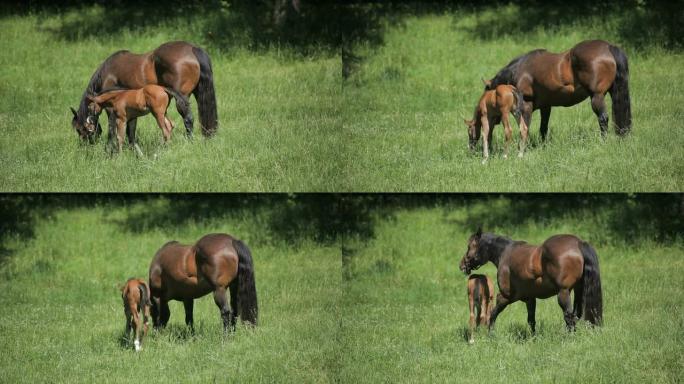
90 97
479 231
466 121
73 111
487 83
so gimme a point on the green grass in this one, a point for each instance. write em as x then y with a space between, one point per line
404 110
61 315
408 314
277 114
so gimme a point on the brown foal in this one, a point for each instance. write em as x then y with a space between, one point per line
480 301
493 108
124 105
136 299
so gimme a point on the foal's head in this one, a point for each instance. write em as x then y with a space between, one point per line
473 133
473 258
87 129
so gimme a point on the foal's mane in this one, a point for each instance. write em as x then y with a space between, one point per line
509 73
94 86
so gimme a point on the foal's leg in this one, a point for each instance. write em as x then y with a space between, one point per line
138 329
486 137
501 304
471 322
222 303
188 304
161 122
544 127
598 104
508 132
120 132
566 306
531 309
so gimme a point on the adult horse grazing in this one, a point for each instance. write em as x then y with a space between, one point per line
525 272
589 69
215 263
178 65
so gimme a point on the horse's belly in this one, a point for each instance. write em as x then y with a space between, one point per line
189 288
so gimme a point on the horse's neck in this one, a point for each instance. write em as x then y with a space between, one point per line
495 247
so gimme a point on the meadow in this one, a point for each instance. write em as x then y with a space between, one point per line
277 108
377 300
62 320
406 101
408 311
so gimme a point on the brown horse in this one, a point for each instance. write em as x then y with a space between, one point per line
178 65
216 263
136 300
525 272
124 105
494 107
480 301
589 69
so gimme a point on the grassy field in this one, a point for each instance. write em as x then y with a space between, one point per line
408 310
392 309
277 112
404 110
61 316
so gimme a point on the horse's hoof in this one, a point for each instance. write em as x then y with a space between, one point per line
484 161
520 155
138 347
471 341
505 157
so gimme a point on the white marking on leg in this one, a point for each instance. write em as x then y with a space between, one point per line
137 345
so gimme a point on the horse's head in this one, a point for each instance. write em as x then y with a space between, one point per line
88 128
473 133
472 258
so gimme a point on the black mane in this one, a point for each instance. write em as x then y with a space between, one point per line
509 73
94 87
492 246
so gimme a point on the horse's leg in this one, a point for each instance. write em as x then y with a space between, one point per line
155 311
111 132
528 108
185 111
598 104
566 306
544 127
164 313
486 137
501 304
233 303
169 125
482 317
508 132
188 304
523 135
129 324
578 304
471 322
222 303
131 127
531 309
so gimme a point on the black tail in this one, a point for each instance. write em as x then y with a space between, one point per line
619 93
182 102
592 296
247 296
204 94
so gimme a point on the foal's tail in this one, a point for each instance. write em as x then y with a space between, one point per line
182 102
144 296
518 107
204 94
619 93
247 296
592 296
